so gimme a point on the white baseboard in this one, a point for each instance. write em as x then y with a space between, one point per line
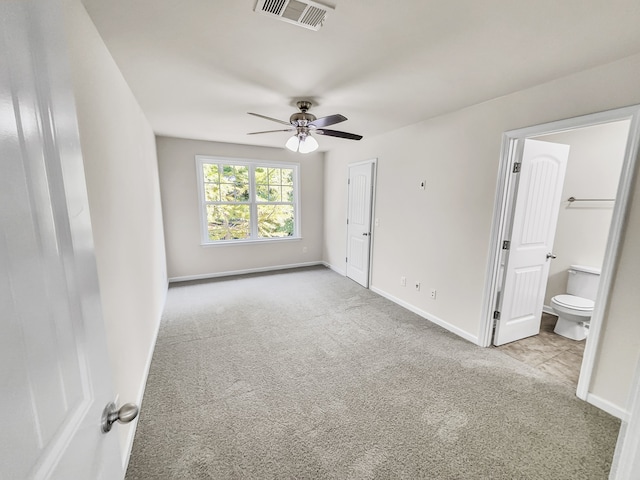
242 272
608 407
132 430
339 271
549 310
428 316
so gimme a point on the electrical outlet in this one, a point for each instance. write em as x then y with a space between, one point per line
423 184
377 222
433 293
403 281
417 286
305 249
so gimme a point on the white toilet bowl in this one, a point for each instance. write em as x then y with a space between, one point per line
574 314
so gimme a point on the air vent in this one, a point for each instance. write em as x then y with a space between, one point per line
304 13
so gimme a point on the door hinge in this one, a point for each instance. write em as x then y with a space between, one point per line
496 315
347 221
346 259
516 167
348 181
506 245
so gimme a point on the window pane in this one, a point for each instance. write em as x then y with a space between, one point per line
287 176
227 222
261 175
287 194
242 174
274 194
274 176
210 172
234 185
212 192
275 221
262 193
228 191
228 174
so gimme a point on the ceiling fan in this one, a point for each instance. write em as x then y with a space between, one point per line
303 124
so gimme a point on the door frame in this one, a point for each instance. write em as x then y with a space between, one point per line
502 213
374 175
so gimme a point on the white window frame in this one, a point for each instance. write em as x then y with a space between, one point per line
253 232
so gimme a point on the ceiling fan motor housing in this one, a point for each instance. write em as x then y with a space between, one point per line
302 119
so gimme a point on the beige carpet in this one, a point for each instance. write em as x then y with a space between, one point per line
304 374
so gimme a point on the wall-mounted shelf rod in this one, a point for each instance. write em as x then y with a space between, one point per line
574 199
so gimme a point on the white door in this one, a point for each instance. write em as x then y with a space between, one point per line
527 261
359 222
54 375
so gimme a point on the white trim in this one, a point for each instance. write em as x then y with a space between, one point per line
426 315
143 385
205 276
253 225
372 226
608 407
362 162
498 227
229 243
614 242
335 269
549 310
615 233
626 459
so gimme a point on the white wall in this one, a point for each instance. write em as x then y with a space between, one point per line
593 171
179 187
441 236
118 148
619 349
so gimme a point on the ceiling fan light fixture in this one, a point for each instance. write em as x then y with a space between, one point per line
308 144
293 143
302 143
303 123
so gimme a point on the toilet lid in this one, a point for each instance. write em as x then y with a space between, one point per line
571 301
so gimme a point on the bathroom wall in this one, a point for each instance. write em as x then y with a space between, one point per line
593 171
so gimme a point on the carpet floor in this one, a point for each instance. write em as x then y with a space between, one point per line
304 374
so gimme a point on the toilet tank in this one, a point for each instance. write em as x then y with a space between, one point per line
583 281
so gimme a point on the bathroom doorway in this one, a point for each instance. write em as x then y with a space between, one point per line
586 208
582 132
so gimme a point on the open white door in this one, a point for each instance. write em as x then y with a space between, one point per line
535 214
54 368
359 222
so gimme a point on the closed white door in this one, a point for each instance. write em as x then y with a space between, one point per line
359 222
54 373
527 260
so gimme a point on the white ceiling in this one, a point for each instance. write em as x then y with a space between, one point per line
197 66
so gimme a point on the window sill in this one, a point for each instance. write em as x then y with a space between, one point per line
226 243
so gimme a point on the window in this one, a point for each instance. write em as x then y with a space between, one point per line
244 200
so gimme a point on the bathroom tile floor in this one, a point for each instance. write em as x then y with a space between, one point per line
547 351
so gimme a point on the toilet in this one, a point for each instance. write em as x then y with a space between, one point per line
575 307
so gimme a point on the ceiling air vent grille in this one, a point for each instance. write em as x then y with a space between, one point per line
305 13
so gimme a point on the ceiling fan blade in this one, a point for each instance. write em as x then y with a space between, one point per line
273 131
336 133
330 120
269 118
